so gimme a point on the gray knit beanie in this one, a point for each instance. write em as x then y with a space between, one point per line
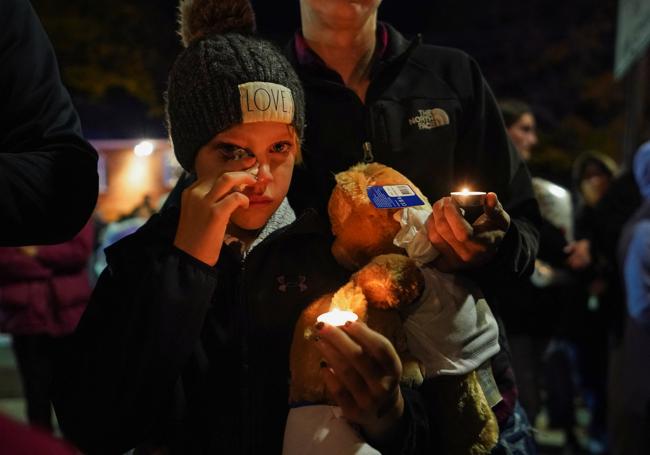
226 76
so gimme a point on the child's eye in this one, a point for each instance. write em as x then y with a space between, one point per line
233 152
281 147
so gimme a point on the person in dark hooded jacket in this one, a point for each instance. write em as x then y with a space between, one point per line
629 413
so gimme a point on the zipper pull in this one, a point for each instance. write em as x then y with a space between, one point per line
368 157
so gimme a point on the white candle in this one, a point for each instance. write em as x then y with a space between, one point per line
467 198
337 317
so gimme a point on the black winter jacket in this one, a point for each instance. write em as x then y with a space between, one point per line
48 172
191 357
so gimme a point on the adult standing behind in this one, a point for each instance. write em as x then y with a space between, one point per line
48 172
43 293
426 111
630 413
539 325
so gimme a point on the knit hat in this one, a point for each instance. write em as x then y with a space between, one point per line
226 76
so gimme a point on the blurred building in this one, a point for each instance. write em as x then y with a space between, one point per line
129 170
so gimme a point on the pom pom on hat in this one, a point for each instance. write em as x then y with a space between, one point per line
199 18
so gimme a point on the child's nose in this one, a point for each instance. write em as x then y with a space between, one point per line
264 174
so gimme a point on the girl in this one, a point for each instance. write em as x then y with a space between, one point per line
185 344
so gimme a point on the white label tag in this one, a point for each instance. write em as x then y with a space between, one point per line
266 102
398 190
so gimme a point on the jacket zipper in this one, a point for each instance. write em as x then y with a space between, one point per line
368 156
247 421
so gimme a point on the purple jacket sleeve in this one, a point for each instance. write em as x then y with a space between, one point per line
15 265
72 255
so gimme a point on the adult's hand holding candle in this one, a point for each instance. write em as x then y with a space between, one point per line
466 239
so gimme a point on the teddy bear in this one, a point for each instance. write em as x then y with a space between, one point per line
440 330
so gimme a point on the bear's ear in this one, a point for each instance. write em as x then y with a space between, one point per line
339 210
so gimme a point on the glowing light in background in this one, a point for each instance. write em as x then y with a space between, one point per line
144 148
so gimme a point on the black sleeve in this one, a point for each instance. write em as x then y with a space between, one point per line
413 436
48 172
116 378
486 156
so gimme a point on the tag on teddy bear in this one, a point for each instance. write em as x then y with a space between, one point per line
393 196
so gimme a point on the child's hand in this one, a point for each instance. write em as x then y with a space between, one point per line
206 207
361 371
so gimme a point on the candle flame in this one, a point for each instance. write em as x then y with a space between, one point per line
337 317
465 190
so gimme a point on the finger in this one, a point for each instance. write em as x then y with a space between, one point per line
372 356
461 229
341 396
199 187
345 369
446 232
495 211
374 344
230 203
447 254
227 182
440 223
386 379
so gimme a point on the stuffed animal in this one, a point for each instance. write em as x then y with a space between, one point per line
440 325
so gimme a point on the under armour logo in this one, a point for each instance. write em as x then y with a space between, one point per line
284 284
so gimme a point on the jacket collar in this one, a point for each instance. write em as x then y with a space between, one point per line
392 46
281 218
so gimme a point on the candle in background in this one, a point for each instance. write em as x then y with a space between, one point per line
337 317
467 198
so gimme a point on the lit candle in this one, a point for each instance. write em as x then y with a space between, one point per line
467 198
337 317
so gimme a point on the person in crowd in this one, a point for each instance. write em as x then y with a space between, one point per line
593 173
118 229
541 328
18 439
185 343
43 292
531 323
630 432
521 126
428 112
48 172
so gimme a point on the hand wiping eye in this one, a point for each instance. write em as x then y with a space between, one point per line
241 154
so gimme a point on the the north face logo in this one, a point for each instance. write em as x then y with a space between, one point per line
429 118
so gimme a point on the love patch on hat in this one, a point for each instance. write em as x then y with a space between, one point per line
266 102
